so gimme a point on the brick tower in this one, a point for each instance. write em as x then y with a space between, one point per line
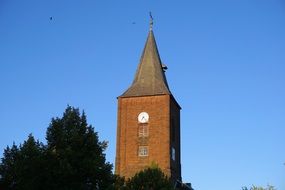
148 129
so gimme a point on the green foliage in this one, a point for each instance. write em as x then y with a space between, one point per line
21 168
119 183
269 187
76 154
8 167
149 179
73 158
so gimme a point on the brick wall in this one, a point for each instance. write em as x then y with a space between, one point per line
161 109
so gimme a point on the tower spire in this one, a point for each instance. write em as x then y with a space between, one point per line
151 22
150 78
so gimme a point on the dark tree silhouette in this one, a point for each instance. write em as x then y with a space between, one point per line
269 187
73 158
22 168
149 179
75 153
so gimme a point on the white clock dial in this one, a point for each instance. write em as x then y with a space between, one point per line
143 117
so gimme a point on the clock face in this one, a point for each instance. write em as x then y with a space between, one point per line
143 117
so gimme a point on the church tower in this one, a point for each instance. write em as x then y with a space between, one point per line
148 130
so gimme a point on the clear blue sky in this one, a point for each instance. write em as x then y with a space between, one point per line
226 61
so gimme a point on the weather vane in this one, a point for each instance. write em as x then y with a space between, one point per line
151 21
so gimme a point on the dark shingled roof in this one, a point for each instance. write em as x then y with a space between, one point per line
150 78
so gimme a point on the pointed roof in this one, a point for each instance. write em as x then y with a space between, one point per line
150 77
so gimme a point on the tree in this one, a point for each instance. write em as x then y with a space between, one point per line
269 187
75 154
72 159
22 168
119 183
8 167
150 179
